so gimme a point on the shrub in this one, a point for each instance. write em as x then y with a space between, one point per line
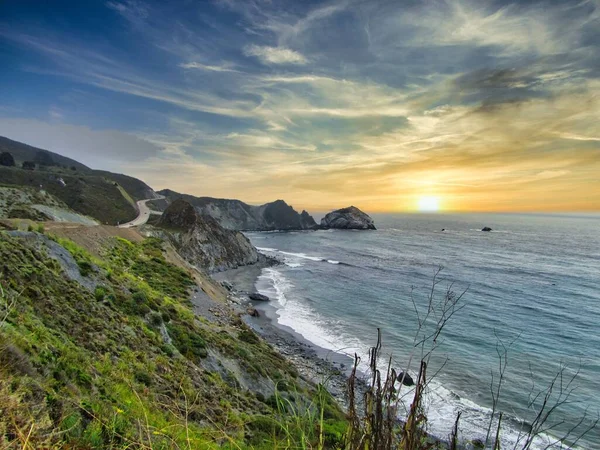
143 377
334 432
155 319
99 293
188 342
140 297
248 336
7 160
85 268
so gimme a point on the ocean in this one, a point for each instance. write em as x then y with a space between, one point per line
533 283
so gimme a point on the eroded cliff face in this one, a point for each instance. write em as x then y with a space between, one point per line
350 218
201 241
237 215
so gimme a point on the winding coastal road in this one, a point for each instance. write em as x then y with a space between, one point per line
144 213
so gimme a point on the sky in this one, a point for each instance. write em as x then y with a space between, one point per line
386 105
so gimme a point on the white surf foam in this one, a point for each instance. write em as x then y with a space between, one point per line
441 404
303 256
266 249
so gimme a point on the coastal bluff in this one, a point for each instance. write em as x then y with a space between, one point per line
350 218
201 241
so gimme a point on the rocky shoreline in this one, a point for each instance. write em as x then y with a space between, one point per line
313 363
316 364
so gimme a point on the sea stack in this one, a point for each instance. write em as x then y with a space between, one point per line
350 218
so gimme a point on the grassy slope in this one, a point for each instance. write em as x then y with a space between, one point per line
94 370
90 195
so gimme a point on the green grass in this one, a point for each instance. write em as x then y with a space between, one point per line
90 369
86 193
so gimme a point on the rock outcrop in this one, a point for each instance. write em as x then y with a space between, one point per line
486 229
405 379
350 218
237 215
258 297
201 241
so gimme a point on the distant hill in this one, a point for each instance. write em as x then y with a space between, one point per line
237 215
107 197
23 152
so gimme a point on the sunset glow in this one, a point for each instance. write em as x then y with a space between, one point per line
320 104
429 204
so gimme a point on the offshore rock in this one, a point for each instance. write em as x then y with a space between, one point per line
258 297
486 229
406 379
350 218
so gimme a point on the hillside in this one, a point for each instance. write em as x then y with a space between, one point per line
23 152
237 215
105 350
105 196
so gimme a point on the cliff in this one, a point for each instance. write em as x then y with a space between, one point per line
237 215
201 241
350 218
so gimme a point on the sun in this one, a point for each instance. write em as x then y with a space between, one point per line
428 204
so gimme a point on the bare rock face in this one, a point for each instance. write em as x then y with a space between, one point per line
350 218
201 241
237 215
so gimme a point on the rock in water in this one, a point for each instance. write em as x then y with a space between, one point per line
350 218
486 229
201 241
252 312
227 285
406 379
258 297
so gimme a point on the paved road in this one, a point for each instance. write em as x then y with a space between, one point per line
144 214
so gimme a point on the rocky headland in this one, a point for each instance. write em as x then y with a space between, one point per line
202 242
237 215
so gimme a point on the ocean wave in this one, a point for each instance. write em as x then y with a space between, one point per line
441 403
276 285
266 249
293 261
303 256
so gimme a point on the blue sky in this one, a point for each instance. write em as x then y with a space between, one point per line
484 105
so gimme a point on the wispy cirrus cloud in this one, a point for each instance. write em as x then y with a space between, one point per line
275 55
472 101
200 66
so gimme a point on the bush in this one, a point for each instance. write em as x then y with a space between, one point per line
248 336
140 297
7 160
85 268
143 377
188 342
155 319
333 433
99 293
